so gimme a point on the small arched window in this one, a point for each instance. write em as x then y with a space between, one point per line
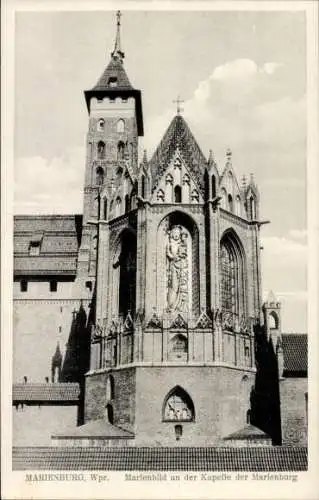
248 413
99 176
101 150
178 194
105 208
100 125
120 150
120 127
179 347
118 206
230 203
273 321
213 186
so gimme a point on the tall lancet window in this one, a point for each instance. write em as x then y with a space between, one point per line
127 263
232 283
228 272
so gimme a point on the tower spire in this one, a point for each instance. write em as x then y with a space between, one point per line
117 53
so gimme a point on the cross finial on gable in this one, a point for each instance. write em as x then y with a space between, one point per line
178 101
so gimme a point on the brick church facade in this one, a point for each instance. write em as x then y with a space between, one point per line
156 292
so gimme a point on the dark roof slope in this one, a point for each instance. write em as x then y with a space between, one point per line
249 432
275 459
295 352
114 69
58 238
59 393
95 429
178 135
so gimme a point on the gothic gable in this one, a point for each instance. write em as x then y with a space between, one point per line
178 183
178 136
231 196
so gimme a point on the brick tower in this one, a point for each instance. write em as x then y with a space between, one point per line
176 241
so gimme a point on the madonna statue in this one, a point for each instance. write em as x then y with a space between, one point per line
177 270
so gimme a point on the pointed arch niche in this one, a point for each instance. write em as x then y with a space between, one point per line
123 290
178 406
232 275
177 265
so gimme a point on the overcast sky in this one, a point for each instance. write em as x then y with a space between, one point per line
242 76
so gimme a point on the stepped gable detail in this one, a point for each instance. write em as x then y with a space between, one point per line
178 136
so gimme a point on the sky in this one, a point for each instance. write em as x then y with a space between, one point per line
242 76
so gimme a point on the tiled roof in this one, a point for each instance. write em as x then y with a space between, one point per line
116 70
178 135
149 459
248 432
94 429
295 352
58 237
60 393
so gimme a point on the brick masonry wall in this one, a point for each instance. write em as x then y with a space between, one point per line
293 411
123 403
220 396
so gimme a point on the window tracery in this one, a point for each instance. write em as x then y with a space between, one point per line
178 407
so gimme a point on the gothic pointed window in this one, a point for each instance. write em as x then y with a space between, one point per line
101 150
178 406
227 279
232 284
177 194
127 261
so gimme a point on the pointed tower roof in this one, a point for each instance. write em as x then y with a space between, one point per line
178 136
57 356
114 81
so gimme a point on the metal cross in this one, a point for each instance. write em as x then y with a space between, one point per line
118 17
178 101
